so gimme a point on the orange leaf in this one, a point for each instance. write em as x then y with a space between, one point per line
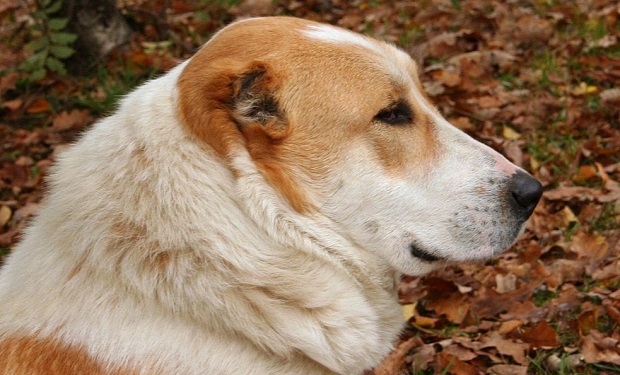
38 106
584 173
12 105
454 307
540 336
454 365
587 322
69 120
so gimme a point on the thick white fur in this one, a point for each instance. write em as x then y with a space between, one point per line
242 298
151 255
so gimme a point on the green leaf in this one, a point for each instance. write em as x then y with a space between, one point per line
44 3
63 38
38 74
62 52
56 65
26 66
39 15
38 58
37 44
57 23
55 7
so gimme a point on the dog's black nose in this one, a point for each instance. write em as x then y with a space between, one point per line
525 192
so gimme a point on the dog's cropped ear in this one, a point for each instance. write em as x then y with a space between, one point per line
227 103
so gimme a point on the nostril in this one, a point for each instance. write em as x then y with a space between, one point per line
526 191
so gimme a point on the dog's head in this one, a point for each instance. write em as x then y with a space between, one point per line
339 125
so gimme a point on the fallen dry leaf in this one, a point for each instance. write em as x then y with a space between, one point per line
506 347
507 370
585 173
13 105
395 360
505 283
38 106
67 120
446 362
5 215
540 336
597 348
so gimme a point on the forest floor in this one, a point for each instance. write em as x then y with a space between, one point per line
536 80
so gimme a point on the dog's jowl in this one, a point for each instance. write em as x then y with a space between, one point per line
251 212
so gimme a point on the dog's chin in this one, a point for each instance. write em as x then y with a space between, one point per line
431 255
466 253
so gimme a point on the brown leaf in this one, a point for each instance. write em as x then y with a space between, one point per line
590 246
584 173
460 352
395 360
532 28
506 347
488 102
540 335
463 123
507 370
38 106
587 321
490 303
70 120
7 82
424 321
609 271
422 357
453 365
449 76
509 326
13 105
454 308
524 311
598 347
571 192
613 312
581 193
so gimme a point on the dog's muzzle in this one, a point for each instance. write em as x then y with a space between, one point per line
493 224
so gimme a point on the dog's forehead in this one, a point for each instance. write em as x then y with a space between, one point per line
336 35
398 64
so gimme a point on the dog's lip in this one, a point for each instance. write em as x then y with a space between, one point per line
422 254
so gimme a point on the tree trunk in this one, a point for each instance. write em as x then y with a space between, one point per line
100 28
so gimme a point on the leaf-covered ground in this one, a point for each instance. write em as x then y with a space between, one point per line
537 80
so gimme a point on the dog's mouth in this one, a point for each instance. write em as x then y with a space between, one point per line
422 254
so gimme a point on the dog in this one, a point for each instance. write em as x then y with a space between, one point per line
251 212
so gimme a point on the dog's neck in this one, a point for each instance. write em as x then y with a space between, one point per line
313 233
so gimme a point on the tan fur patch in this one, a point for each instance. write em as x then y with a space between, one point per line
32 356
400 149
207 88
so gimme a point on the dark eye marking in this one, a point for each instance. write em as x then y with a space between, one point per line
398 113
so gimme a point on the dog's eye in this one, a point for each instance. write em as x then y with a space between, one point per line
399 114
